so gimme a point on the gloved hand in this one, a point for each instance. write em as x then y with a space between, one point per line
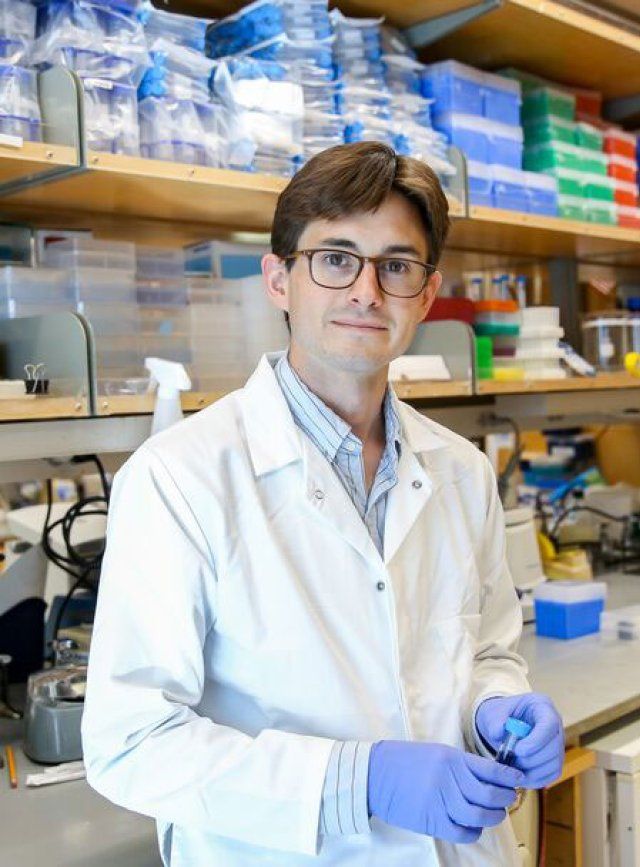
541 753
438 790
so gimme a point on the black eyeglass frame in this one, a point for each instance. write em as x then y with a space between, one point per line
308 254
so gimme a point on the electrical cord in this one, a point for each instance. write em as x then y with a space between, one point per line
83 568
572 509
491 419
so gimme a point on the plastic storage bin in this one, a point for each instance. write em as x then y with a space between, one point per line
34 285
501 99
623 168
550 130
621 143
542 101
496 318
599 211
625 193
599 187
542 193
628 217
542 157
572 207
623 624
510 189
480 177
102 285
454 87
606 339
569 609
90 253
483 140
589 136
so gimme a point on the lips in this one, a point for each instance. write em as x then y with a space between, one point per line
364 326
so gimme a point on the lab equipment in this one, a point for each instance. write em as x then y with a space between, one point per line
54 706
90 253
515 729
569 609
417 786
170 378
606 337
611 798
539 754
523 555
623 624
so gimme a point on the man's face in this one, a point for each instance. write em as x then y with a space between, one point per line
360 328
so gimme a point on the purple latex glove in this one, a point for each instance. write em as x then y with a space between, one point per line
541 753
438 790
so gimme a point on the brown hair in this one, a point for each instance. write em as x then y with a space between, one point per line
356 178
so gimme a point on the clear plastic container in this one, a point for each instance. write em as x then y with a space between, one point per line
594 162
111 112
162 293
159 262
570 182
111 319
589 136
606 339
183 30
567 592
542 193
599 187
542 157
102 285
91 253
19 107
623 624
510 189
540 318
34 285
483 140
480 176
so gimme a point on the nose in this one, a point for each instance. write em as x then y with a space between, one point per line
366 291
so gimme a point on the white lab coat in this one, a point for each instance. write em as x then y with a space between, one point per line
240 631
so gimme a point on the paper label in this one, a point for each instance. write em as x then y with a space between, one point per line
11 141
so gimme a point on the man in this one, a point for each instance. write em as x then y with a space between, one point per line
305 645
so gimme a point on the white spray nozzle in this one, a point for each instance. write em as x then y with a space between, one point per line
170 376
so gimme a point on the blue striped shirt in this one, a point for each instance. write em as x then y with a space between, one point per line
344 797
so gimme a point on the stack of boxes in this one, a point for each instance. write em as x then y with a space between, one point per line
480 113
19 108
622 149
570 151
179 121
103 43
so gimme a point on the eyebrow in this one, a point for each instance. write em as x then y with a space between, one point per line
392 250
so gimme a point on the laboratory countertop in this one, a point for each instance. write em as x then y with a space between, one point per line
592 681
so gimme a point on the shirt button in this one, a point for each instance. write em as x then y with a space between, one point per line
381 585
417 484
351 447
319 495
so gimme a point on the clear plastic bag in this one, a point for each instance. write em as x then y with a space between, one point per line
17 20
180 130
109 33
182 30
19 107
111 117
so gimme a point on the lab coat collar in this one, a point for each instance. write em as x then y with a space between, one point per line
273 438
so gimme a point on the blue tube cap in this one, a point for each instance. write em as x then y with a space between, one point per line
517 727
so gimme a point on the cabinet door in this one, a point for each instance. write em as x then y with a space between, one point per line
627 832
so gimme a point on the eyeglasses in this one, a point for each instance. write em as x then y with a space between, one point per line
337 269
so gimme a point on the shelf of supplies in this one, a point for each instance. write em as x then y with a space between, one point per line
603 381
173 201
491 230
40 408
32 158
602 55
568 45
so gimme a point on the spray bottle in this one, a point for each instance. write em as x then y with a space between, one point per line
171 378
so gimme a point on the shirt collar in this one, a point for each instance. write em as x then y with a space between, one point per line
314 416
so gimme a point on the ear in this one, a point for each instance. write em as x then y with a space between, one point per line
430 293
276 281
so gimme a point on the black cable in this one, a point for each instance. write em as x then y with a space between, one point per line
590 509
79 566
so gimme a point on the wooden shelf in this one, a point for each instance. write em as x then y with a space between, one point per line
33 158
42 408
490 230
603 381
569 46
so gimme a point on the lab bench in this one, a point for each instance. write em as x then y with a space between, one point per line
593 683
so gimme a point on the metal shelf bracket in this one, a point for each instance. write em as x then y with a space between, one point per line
427 32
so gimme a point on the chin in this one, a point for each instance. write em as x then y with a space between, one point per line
359 363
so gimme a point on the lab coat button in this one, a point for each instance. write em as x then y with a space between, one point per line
319 495
417 484
381 585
